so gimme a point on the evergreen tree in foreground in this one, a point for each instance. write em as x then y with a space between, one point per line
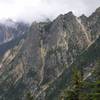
81 89
29 96
96 83
76 91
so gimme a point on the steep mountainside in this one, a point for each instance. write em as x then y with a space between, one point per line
45 56
86 61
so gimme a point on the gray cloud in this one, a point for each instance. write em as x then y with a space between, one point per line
30 10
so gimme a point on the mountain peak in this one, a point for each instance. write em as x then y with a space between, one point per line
8 22
47 52
98 10
69 14
83 16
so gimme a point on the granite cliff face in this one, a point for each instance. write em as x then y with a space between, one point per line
42 55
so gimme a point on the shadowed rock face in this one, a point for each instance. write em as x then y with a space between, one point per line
44 53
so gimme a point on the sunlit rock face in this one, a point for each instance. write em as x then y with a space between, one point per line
44 52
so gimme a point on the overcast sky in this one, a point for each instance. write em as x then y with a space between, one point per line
30 10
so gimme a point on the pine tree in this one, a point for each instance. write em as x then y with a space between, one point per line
81 89
74 92
96 83
29 96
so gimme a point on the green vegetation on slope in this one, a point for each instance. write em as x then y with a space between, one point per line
81 89
90 55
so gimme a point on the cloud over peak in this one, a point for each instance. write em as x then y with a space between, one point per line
31 10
